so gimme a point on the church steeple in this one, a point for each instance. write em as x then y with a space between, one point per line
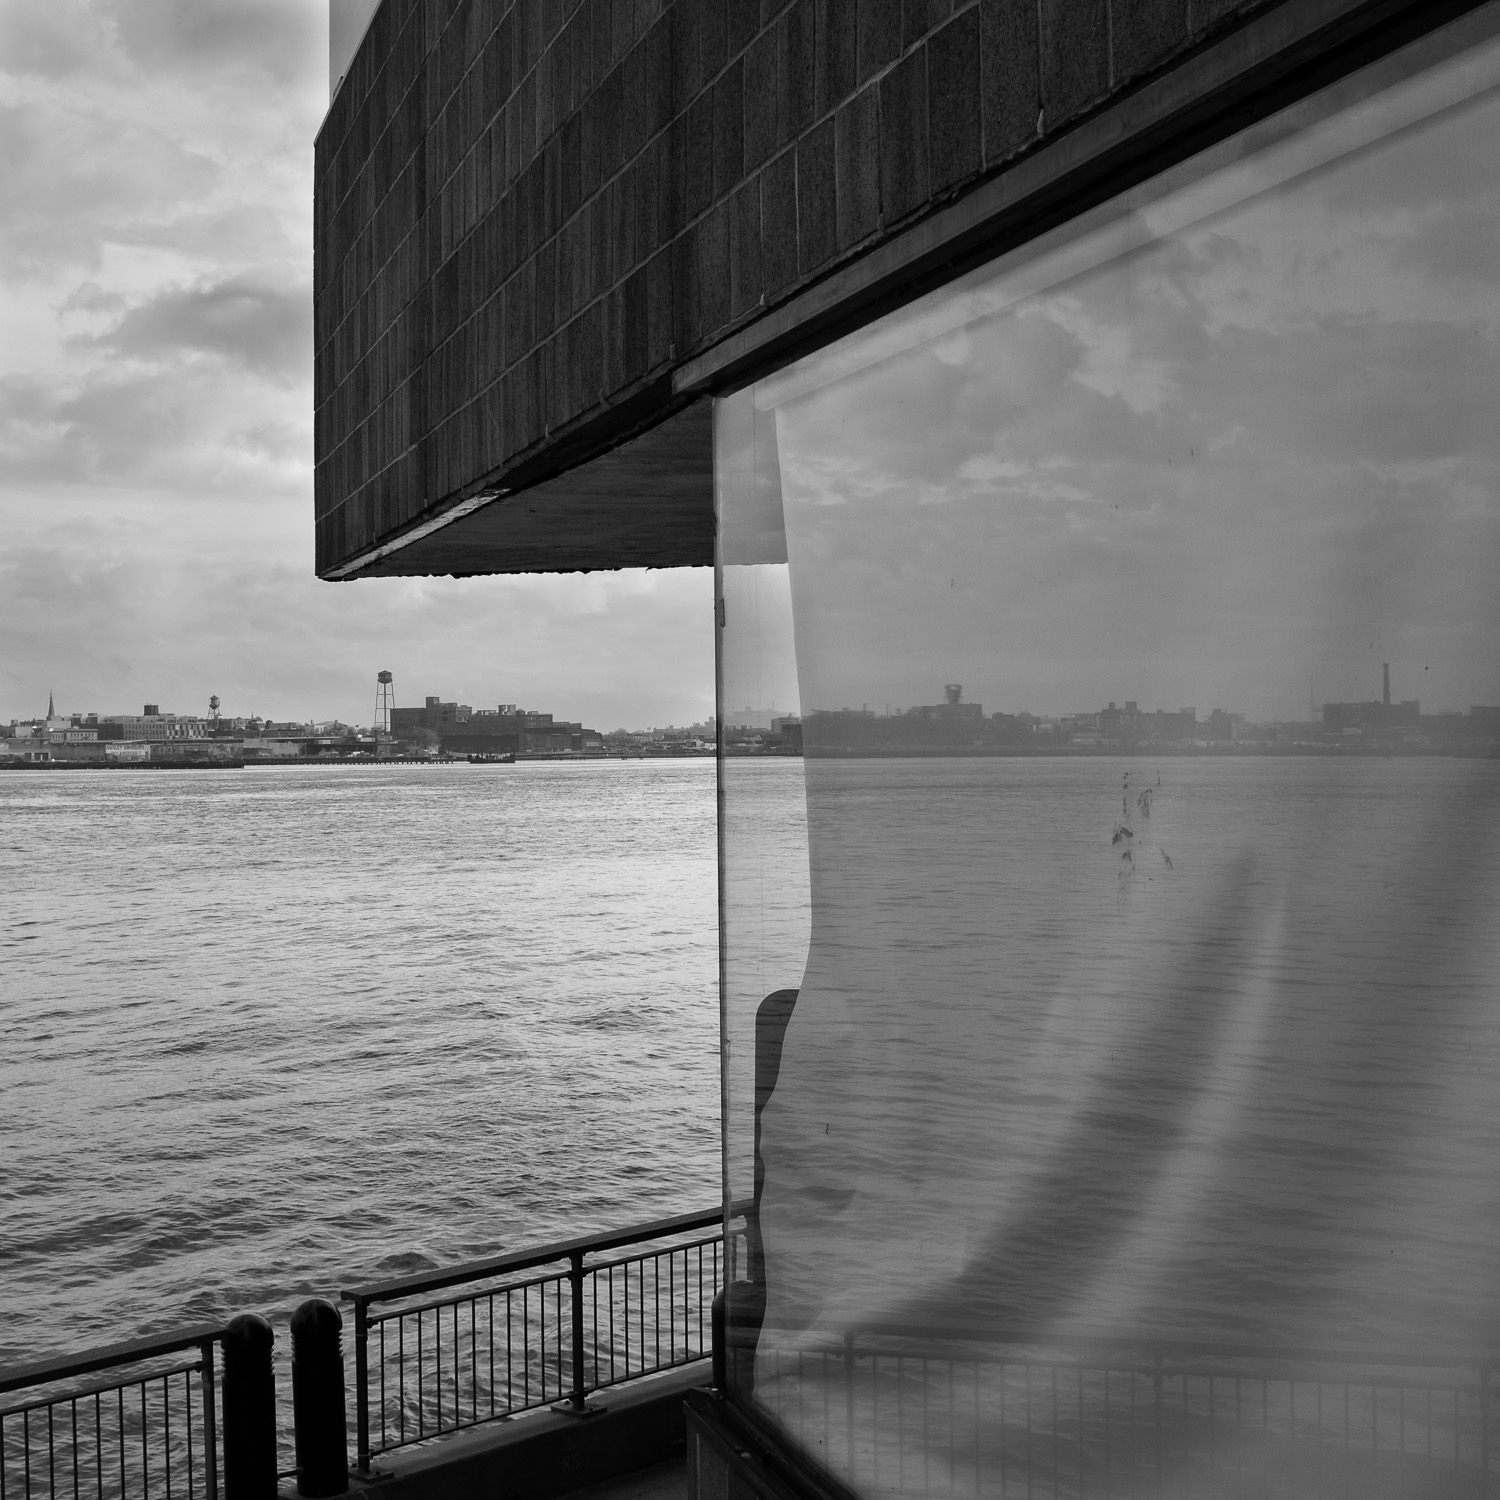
51 713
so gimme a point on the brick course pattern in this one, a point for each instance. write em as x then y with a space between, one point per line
527 214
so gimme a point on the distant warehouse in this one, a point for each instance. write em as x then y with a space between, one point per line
457 729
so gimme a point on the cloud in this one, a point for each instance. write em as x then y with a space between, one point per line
73 179
63 39
249 321
277 39
153 122
154 255
203 432
42 38
114 607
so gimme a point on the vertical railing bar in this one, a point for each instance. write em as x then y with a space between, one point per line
901 1423
594 1325
210 1424
1157 1393
187 1412
575 1310
1135 1449
1291 1452
952 1417
1030 1468
421 1381
166 1433
849 1401
1106 1432
1052 1375
1484 1422
1081 1444
362 1385
1213 1428
73 1429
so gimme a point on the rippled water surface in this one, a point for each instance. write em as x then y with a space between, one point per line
274 1030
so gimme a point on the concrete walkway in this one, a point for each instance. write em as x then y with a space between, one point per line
663 1481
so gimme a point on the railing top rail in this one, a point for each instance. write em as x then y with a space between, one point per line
949 1334
108 1357
524 1260
101 1387
533 1281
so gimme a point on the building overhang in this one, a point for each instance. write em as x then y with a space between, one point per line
647 503
628 481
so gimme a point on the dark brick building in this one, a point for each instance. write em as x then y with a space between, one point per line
544 228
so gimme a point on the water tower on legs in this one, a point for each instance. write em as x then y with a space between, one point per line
385 701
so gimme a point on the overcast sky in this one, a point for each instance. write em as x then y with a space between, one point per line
156 409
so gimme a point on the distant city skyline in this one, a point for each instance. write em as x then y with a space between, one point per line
558 702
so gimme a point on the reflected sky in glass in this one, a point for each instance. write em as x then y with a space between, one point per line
1241 466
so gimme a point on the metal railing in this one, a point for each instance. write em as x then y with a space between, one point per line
140 1432
503 1345
1050 1418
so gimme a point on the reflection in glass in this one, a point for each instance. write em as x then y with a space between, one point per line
1118 1108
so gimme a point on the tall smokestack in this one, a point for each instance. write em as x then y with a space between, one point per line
1387 697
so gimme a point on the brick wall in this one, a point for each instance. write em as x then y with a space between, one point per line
528 213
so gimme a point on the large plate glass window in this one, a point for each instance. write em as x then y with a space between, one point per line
1112 1077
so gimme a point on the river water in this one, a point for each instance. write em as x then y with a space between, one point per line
273 1031
269 1032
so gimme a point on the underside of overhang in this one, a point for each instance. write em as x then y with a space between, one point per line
645 504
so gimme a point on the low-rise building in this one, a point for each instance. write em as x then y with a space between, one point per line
458 729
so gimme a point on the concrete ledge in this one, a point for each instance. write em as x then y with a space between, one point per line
543 1453
733 1456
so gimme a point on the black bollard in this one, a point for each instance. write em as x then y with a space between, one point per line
318 1399
249 1410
